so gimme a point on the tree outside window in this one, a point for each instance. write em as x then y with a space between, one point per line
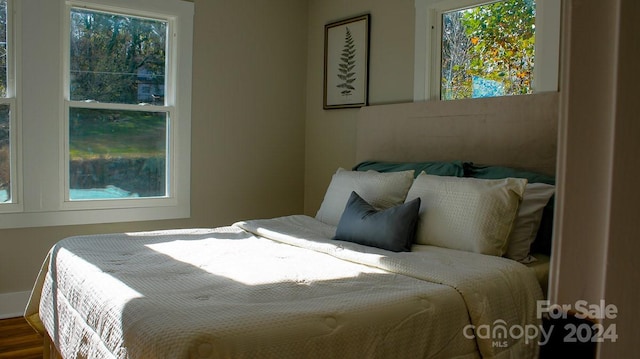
5 110
117 150
488 50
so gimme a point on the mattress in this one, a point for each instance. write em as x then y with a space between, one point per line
275 288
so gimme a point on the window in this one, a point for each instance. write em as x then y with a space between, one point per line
487 50
105 112
7 107
471 48
117 132
5 154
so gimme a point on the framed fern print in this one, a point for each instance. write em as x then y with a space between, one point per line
346 63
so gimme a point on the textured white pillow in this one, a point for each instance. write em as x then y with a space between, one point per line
468 214
381 190
535 198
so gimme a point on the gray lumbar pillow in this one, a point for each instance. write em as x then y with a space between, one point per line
391 229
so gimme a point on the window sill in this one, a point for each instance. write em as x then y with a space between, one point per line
93 216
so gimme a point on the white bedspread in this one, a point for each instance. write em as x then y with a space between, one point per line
277 288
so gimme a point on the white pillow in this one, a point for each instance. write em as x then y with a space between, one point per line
525 228
381 190
468 214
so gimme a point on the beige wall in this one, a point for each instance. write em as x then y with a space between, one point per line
587 108
248 129
597 232
621 283
330 134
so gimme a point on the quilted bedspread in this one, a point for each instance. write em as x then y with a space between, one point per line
275 288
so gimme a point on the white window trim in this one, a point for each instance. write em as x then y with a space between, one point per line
42 178
426 83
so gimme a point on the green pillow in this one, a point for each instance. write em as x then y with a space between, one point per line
392 229
454 168
499 172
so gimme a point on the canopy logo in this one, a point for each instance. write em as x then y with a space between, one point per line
500 334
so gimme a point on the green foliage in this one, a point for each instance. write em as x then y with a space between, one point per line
503 38
497 44
5 155
5 158
107 52
456 82
5 176
345 68
3 48
116 134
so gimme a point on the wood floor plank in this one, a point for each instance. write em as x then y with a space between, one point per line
18 340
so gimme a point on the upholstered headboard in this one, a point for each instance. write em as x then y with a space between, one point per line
515 131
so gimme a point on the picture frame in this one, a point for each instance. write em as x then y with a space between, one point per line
346 63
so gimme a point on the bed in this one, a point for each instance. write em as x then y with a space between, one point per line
403 281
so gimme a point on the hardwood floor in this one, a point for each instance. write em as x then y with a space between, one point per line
18 340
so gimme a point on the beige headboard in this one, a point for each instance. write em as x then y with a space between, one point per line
514 131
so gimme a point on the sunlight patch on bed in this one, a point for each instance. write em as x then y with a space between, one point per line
258 261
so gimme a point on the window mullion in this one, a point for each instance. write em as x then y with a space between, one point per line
118 106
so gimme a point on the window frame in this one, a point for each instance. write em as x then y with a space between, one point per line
169 109
428 45
45 175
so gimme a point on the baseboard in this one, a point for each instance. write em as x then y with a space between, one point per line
12 305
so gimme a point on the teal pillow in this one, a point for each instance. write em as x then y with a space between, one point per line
499 172
392 229
454 168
